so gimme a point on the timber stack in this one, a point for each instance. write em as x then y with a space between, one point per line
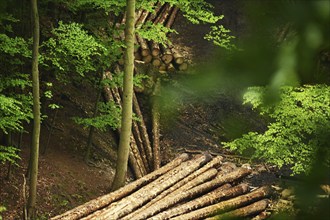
162 56
198 187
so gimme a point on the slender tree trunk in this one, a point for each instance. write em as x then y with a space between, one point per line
34 156
126 122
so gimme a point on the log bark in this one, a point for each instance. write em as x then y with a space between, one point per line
161 17
226 205
139 143
143 131
253 209
185 184
171 19
144 48
103 201
171 199
153 15
191 190
128 204
135 159
224 191
155 117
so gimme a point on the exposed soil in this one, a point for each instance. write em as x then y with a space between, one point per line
66 181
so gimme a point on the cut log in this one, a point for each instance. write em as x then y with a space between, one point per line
183 66
161 17
102 201
167 56
226 205
156 61
253 209
185 184
155 49
139 143
154 14
135 159
225 191
173 198
147 58
170 68
171 19
155 117
143 130
178 58
145 51
137 56
169 200
137 199
142 19
162 67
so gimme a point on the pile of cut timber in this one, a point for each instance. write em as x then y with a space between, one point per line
165 57
201 187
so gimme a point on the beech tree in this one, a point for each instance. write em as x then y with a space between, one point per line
34 155
126 121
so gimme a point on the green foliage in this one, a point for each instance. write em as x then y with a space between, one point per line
2 209
221 37
110 115
8 153
154 32
196 11
72 49
299 127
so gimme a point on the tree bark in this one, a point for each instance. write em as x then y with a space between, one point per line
224 191
144 48
155 125
143 131
103 201
126 122
150 191
171 19
163 14
253 209
34 155
171 199
153 15
226 205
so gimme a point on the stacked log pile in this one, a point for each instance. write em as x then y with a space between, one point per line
200 187
165 57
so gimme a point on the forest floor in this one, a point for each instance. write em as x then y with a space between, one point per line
66 181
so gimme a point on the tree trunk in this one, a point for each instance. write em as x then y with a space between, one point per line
126 122
253 209
226 205
103 201
178 58
34 155
150 191
145 51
